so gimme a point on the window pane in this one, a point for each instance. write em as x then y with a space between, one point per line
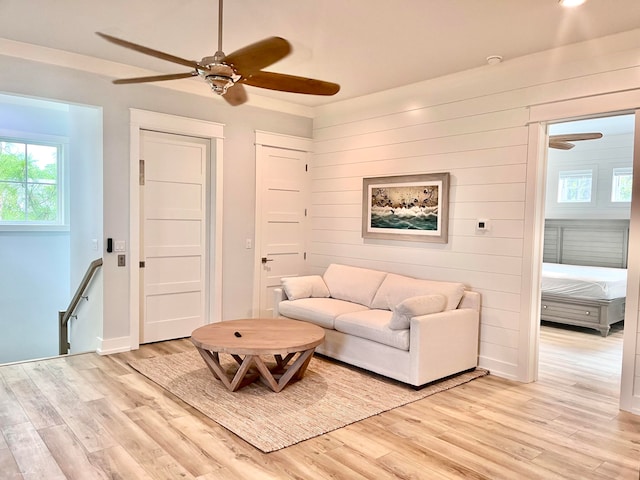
12 161
42 163
621 185
42 203
12 202
575 186
29 185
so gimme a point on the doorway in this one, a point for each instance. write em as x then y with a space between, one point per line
212 133
586 239
282 197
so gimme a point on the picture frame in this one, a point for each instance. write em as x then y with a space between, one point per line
411 208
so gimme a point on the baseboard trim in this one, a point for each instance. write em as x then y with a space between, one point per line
113 345
499 368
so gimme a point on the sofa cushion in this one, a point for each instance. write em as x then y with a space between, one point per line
321 311
396 288
353 284
413 307
304 287
373 325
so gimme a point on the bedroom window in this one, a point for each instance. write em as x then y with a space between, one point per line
621 184
574 186
30 183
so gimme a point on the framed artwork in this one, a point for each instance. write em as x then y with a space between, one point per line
406 207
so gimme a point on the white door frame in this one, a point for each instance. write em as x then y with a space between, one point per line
277 140
161 122
597 105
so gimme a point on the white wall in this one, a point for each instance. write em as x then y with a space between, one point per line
74 86
86 219
475 126
34 285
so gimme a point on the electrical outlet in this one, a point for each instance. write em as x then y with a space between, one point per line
121 261
248 243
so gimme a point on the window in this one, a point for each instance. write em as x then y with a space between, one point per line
575 186
30 183
621 184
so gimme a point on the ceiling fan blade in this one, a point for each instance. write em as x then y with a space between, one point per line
574 137
259 55
291 83
151 52
561 145
155 78
235 95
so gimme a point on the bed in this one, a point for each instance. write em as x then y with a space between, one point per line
584 276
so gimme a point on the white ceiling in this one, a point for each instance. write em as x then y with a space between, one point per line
365 45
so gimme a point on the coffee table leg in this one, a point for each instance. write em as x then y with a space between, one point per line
295 371
213 362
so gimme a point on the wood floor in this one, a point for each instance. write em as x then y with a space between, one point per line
87 416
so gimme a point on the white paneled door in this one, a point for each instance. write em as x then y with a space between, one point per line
173 238
283 210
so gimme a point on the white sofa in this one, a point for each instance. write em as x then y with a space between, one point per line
412 330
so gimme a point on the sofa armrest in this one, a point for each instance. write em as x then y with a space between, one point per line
444 343
278 296
470 300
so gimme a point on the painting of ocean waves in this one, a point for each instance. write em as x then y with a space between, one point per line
414 218
405 208
412 208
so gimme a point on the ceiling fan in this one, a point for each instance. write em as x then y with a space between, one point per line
563 142
227 74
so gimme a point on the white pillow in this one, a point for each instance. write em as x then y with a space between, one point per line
305 287
414 307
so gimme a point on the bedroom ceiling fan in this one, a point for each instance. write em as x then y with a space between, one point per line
227 74
563 142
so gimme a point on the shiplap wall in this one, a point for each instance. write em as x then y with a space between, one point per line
473 125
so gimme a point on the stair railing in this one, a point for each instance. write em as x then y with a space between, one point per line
64 316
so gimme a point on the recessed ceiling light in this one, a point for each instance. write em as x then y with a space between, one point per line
571 3
494 59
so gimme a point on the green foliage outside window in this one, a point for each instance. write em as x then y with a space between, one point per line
29 186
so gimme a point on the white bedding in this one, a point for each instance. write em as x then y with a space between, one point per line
584 282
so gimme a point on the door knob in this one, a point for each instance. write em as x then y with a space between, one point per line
265 260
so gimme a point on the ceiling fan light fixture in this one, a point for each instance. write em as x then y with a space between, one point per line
571 3
219 83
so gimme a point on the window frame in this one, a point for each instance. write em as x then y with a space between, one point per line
629 171
62 143
592 194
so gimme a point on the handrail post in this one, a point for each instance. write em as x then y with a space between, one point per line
63 335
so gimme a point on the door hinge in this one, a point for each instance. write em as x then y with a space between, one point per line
141 264
141 172
306 167
305 212
305 256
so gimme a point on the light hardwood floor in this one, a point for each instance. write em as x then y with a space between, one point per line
87 416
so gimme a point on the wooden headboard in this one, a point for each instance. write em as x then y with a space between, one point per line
600 243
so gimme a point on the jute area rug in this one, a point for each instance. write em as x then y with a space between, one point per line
330 396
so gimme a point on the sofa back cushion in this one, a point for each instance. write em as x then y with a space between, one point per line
353 284
396 288
304 287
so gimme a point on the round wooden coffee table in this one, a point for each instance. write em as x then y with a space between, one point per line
252 337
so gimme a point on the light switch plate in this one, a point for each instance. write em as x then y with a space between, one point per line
119 246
